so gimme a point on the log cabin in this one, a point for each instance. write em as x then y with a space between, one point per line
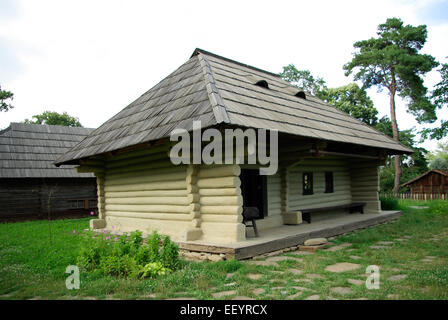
431 182
327 161
30 185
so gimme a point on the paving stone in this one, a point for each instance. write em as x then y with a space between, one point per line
223 293
355 257
430 257
341 290
378 247
397 277
331 298
385 242
182 298
407 237
314 276
393 296
401 240
295 271
350 250
313 248
276 280
230 284
303 280
313 297
339 247
342 267
315 241
361 299
283 258
258 291
263 263
356 282
277 288
299 288
242 298
295 295
254 276
230 275
302 253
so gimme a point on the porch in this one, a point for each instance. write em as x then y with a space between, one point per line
286 236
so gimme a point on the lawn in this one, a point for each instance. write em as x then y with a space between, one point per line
411 254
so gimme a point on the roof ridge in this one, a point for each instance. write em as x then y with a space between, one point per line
218 107
198 51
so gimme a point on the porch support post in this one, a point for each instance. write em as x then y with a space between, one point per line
288 217
100 223
365 184
194 231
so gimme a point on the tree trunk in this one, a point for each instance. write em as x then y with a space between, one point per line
397 158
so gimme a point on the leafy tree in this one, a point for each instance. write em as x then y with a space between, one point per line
353 100
440 99
439 158
302 79
5 105
392 61
349 98
54 118
412 166
439 163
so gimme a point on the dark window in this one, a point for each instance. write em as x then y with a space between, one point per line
307 183
329 186
263 84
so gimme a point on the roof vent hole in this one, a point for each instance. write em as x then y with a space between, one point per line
263 84
301 94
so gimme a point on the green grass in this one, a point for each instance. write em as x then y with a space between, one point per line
33 266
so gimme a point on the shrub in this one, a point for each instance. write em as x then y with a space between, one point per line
389 203
153 270
129 256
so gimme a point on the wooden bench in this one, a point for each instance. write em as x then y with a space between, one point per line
250 214
353 207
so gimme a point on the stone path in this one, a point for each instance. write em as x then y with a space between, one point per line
283 258
339 247
341 290
254 276
242 298
264 263
397 277
258 291
342 267
313 297
223 293
295 271
355 282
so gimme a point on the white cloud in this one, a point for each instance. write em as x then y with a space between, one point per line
92 58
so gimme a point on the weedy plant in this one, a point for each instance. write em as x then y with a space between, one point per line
128 255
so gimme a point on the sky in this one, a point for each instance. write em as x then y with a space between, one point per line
92 58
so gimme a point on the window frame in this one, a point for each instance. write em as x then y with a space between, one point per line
327 175
307 190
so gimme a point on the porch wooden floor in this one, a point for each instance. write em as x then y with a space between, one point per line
291 235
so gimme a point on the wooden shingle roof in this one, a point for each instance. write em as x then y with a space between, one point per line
215 90
441 172
29 150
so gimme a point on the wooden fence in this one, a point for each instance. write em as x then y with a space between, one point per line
416 196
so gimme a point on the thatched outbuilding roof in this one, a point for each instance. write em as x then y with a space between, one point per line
215 90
